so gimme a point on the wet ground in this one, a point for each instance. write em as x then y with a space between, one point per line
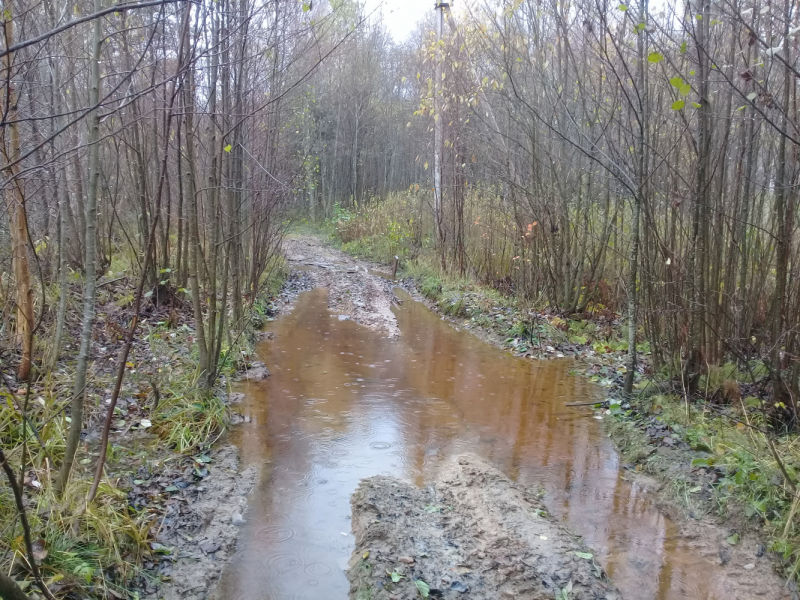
345 402
471 533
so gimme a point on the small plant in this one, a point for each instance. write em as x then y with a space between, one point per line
431 287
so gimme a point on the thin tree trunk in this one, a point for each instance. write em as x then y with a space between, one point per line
641 182
782 190
90 260
15 204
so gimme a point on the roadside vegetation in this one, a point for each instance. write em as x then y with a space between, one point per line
163 424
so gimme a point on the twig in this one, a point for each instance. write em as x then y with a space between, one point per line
110 281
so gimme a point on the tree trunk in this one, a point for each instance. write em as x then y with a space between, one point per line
15 204
90 260
782 190
641 183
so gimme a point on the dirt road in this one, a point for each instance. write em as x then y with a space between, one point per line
354 292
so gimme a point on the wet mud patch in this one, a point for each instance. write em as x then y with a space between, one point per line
198 532
470 534
353 292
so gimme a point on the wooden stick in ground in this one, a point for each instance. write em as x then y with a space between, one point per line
126 349
26 528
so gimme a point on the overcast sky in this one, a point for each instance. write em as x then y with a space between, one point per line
401 16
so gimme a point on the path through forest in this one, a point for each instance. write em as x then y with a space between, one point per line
403 395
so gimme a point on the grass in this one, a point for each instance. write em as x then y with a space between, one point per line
189 422
90 549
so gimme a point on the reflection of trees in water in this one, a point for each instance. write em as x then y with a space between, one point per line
442 393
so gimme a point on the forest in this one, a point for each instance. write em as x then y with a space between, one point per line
626 176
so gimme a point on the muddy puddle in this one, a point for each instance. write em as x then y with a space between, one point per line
345 402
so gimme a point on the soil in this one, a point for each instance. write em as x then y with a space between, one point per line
472 534
198 532
353 292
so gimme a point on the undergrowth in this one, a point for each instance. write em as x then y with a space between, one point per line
96 550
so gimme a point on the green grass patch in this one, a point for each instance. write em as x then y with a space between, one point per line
745 478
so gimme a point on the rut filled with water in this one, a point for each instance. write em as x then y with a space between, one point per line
345 402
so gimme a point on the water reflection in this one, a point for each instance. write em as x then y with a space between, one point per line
344 403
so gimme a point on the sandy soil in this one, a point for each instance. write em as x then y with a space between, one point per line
353 292
472 534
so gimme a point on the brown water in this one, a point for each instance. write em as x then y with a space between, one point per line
344 403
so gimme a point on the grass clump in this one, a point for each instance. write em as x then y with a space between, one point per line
189 422
739 468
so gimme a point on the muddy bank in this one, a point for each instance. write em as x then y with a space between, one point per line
471 534
353 292
197 534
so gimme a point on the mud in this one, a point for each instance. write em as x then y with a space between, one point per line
198 532
353 292
470 534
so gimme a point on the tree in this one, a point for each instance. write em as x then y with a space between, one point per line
15 202
90 260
